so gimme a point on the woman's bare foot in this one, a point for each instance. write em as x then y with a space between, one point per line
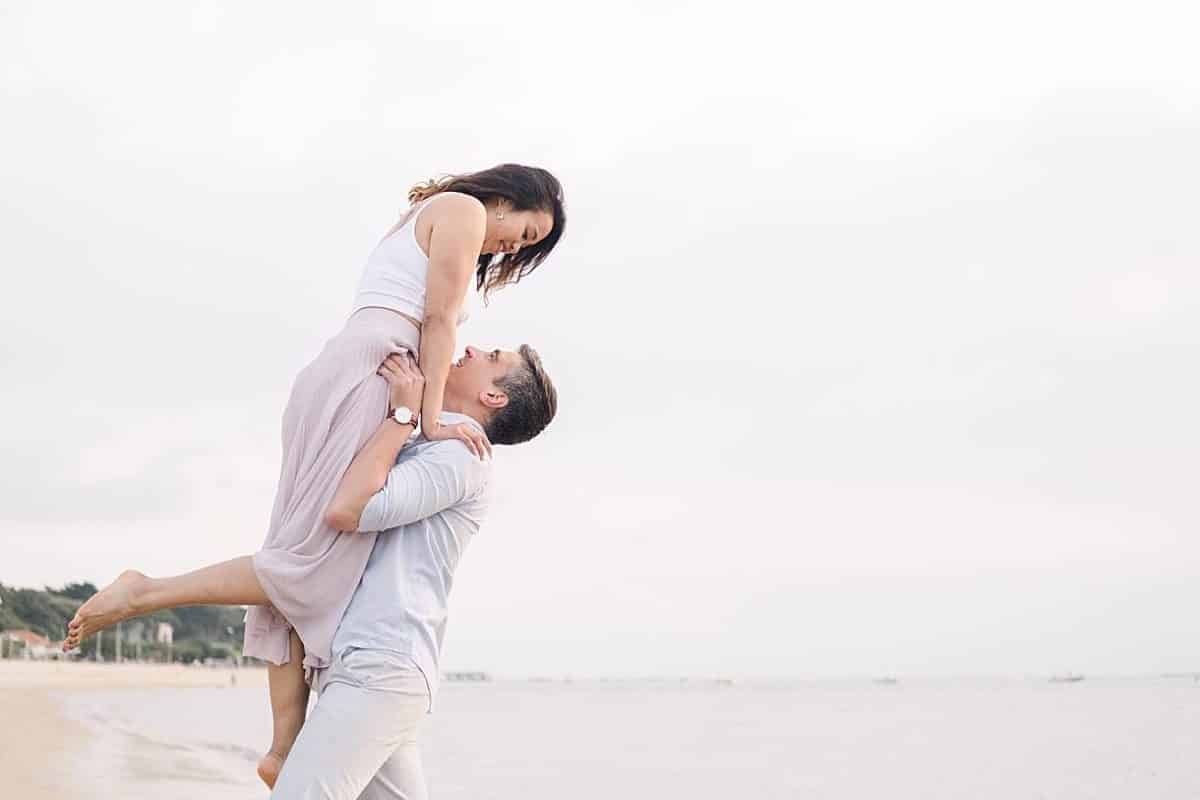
112 604
269 767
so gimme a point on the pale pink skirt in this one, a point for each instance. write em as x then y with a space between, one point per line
308 569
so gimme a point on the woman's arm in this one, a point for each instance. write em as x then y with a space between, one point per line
455 240
369 470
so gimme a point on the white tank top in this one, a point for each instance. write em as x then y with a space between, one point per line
396 272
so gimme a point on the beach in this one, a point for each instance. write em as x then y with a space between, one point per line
128 732
41 741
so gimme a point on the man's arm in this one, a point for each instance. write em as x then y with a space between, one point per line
420 486
368 471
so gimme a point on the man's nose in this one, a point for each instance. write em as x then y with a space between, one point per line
470 352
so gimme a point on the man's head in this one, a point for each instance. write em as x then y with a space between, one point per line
508 392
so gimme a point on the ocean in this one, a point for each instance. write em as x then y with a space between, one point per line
1106 739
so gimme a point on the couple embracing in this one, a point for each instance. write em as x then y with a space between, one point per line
349 592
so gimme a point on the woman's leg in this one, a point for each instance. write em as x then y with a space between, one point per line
226 584
289 703
230 583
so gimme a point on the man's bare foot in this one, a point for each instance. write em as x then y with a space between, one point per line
112 604
269 767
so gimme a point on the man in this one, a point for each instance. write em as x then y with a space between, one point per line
428 498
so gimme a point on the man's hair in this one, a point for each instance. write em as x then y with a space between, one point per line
532 402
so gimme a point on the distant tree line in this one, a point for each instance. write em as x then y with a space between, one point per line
199 631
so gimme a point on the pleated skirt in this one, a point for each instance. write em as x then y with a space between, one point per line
309 570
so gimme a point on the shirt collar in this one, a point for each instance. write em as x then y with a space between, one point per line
454 418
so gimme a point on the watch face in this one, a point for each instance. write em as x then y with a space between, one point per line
403 415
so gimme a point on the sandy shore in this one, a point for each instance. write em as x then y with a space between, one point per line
36 737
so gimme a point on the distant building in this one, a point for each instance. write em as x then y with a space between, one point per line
165 633
135 632
30 644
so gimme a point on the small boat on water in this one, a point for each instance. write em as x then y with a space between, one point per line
1067 678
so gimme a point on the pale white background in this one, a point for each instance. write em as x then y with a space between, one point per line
875 324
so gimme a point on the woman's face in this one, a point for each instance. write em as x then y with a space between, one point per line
516 230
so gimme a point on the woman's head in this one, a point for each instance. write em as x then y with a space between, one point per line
525 218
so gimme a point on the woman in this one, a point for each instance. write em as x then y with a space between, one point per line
491 228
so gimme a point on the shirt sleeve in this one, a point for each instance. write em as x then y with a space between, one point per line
423 485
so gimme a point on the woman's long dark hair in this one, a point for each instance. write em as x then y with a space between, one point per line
528 189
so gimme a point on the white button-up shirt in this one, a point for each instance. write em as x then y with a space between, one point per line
434 501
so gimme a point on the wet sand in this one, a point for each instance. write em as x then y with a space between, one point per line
38 740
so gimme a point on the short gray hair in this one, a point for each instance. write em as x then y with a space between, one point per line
532 401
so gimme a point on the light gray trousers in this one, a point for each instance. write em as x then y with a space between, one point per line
360 741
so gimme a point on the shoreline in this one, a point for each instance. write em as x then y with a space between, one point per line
40 742
17 674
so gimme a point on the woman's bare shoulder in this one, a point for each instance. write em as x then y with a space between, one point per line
455 215
454 204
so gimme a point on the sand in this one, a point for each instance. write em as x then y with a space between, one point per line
36 736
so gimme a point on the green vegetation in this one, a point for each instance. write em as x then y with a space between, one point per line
199 631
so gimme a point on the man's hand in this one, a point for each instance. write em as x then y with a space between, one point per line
368 472
405 380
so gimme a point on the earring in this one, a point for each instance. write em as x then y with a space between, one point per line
499 216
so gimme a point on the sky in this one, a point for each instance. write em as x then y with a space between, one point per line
874 325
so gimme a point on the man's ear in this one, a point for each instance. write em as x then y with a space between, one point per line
494 399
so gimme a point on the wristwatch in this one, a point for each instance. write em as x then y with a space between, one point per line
404 415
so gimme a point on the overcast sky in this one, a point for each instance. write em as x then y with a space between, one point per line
875 326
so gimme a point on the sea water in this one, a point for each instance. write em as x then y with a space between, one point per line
1108 739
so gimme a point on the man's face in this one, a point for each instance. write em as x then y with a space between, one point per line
478 371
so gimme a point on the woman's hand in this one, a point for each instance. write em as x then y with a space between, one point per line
406 384
476 441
